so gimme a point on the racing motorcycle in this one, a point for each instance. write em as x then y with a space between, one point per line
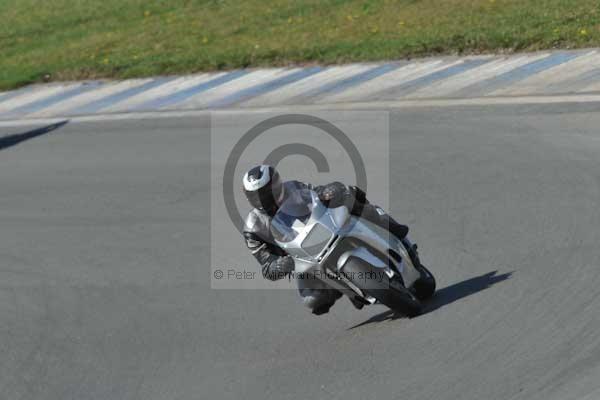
359 259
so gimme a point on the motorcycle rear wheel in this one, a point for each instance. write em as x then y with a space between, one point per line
389 292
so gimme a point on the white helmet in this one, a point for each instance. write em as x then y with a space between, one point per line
263 188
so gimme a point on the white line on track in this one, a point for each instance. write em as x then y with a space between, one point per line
398 104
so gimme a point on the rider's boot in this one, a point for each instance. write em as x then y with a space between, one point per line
356 303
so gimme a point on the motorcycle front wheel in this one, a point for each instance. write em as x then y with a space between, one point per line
424 287
388 292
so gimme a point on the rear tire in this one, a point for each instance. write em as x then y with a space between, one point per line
390 293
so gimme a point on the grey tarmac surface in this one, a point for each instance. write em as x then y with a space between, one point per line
105 275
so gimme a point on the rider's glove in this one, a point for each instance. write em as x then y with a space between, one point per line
332 195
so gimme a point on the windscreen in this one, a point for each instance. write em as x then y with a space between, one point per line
292 215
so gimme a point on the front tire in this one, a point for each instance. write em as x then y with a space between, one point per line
424 287
390 293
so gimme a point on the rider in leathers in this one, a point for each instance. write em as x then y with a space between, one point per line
266 192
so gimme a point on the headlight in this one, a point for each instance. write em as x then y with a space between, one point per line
316 240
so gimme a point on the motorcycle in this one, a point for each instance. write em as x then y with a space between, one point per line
359 259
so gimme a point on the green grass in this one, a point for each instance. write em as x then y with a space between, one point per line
76 39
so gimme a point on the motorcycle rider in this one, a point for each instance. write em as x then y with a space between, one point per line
266 192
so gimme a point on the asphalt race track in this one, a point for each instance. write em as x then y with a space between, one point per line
105 276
